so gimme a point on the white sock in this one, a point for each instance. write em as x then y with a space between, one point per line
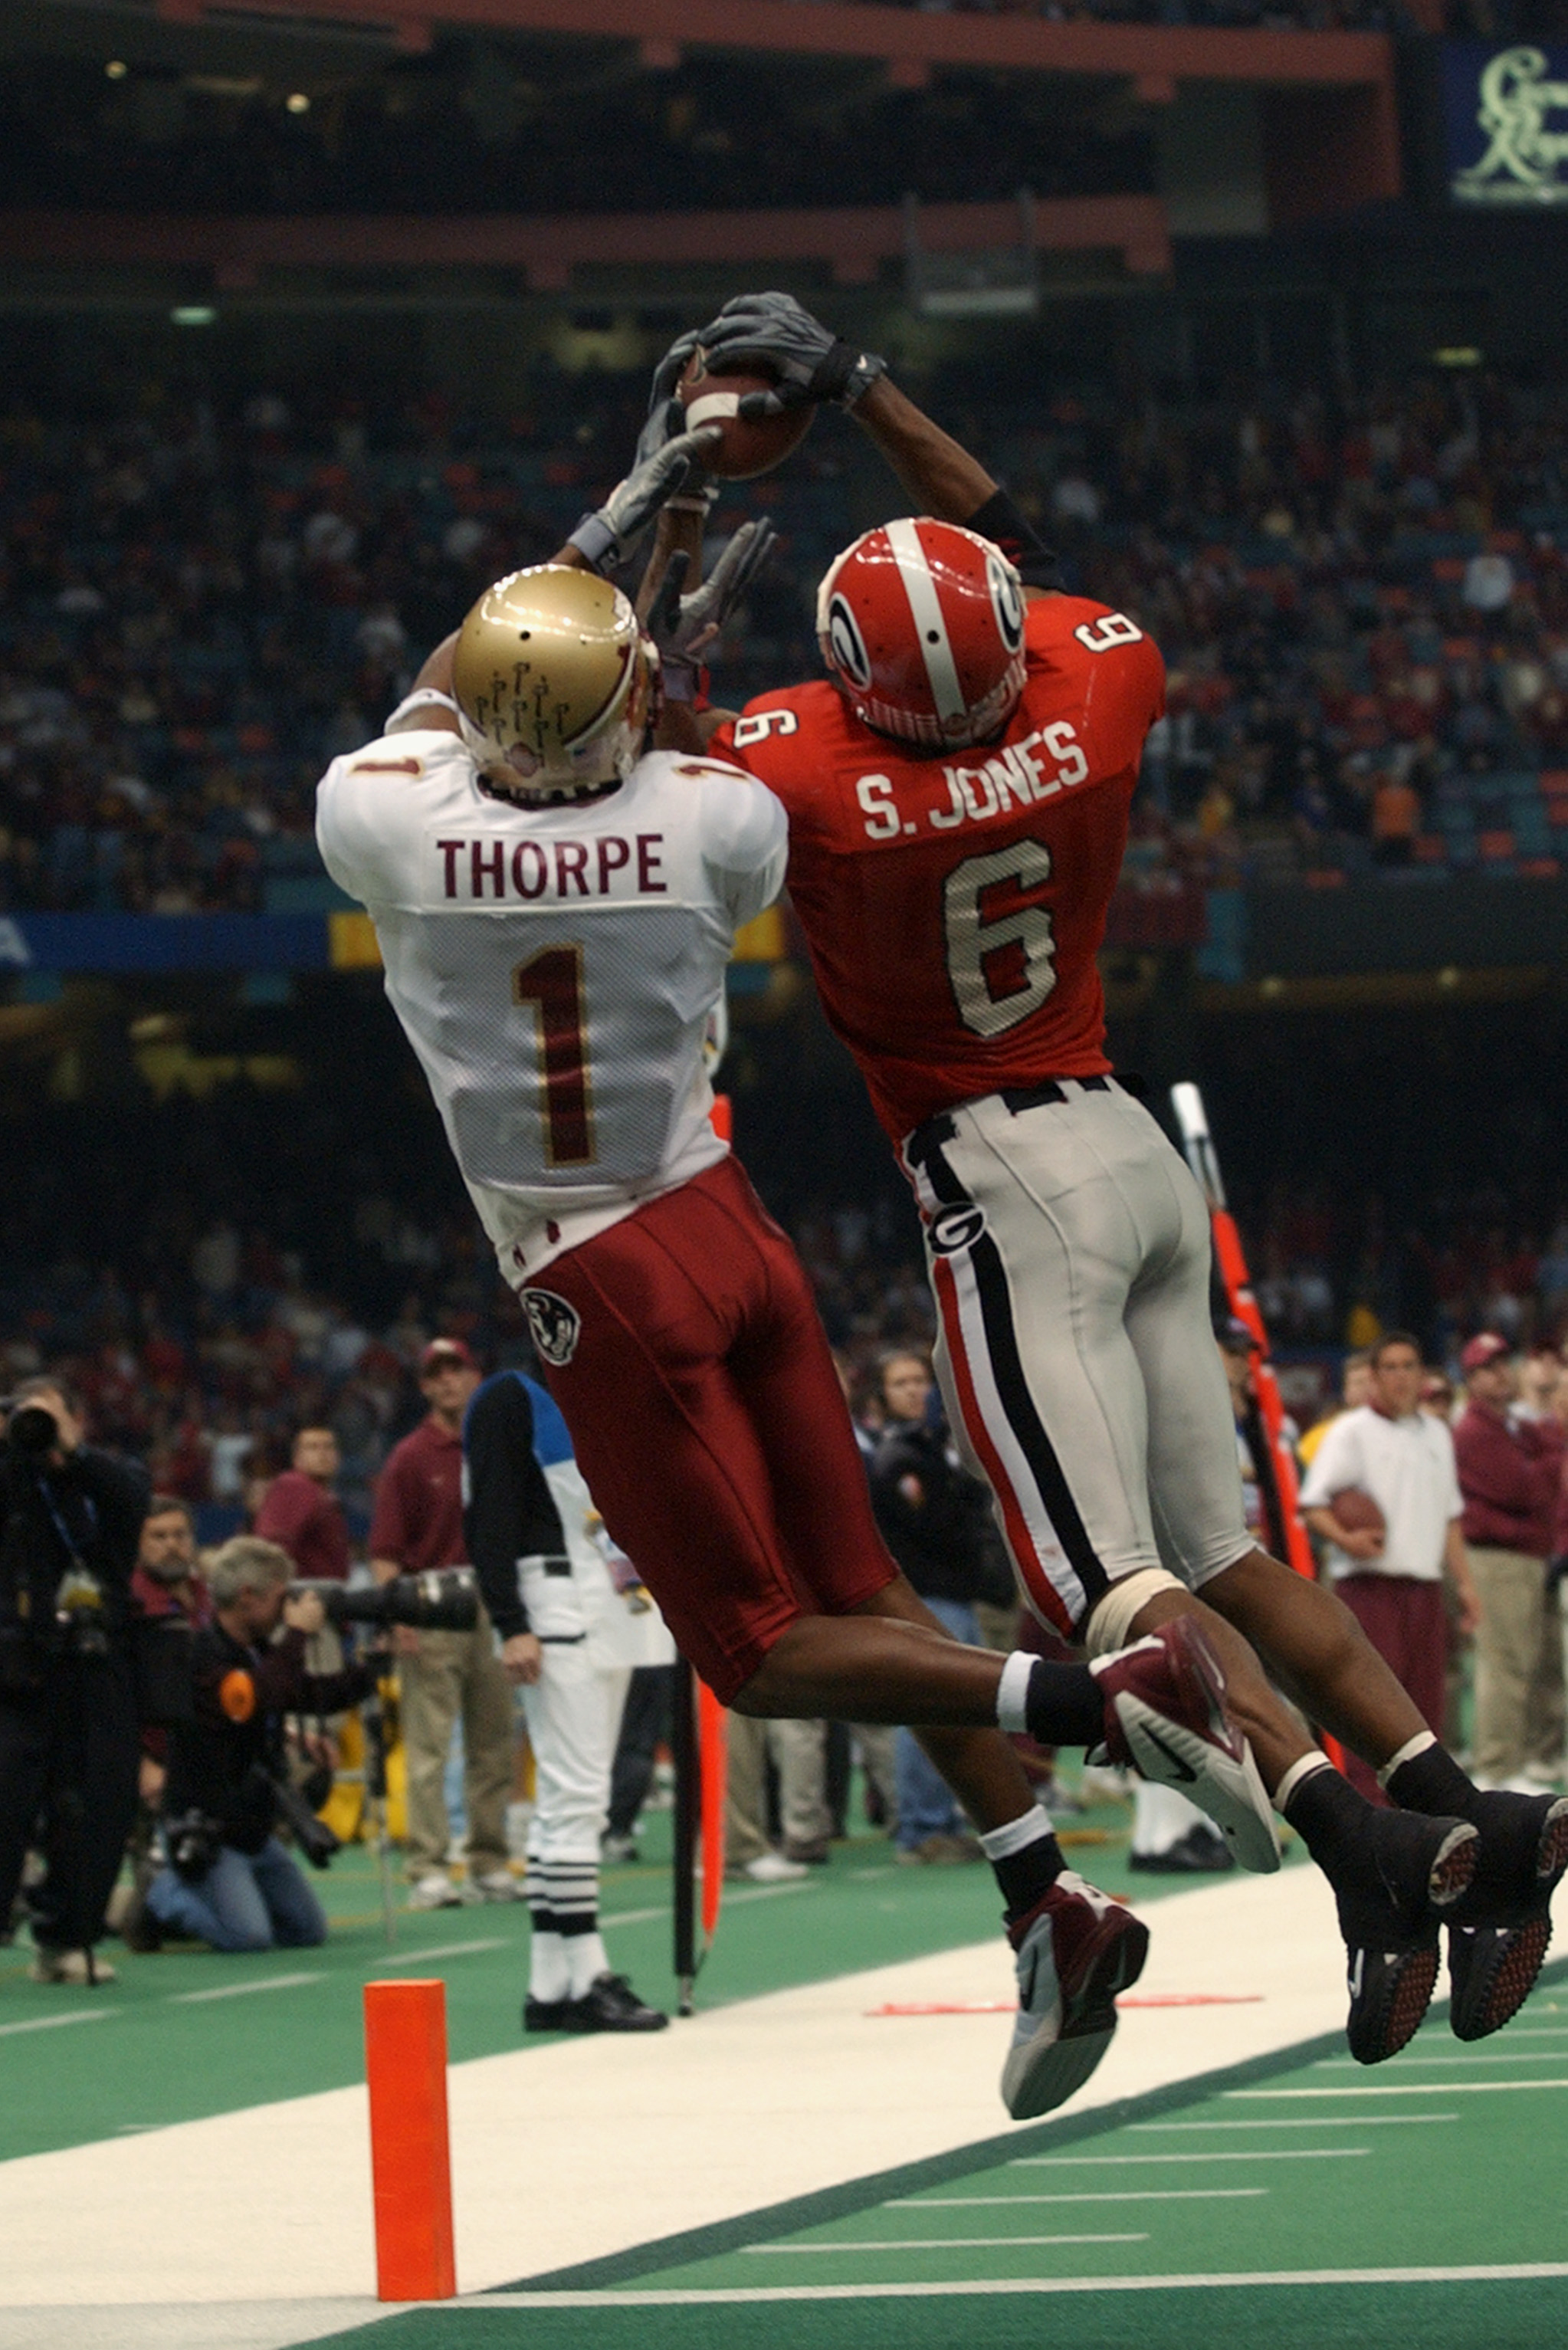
1161 1817
1302 1769
1012 1692
549 1977
586 1959
1015 1835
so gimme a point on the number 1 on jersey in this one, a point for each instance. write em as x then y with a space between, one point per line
553 983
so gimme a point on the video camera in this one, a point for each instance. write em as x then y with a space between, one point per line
440 1599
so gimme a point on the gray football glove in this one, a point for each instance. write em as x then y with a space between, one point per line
683 627
662 465
812 363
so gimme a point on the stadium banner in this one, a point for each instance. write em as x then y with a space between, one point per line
111 943
1505 114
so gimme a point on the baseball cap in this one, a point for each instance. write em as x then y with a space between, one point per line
1237 1337
1480 1351
445 1350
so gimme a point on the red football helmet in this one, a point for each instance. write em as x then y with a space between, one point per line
923 625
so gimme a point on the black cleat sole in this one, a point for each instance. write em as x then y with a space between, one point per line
1386 2014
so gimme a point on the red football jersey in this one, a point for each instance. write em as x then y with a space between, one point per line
954 904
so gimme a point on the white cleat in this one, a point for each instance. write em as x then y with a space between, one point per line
1165 1715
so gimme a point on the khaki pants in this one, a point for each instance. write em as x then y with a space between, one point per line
457 1673
1518 1666
799 1749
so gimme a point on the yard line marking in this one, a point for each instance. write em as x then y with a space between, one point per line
239 1990
1498 2056
1254 2154
731 1901
1404 2089
696 2296
1318 2121
444 1950
1102 2195
48 2023
944 2243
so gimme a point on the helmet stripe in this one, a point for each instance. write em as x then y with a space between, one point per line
925 604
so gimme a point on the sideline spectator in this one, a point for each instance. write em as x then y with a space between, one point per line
169 1602
1403 1459
1511 1471
936 1520
301 1513
443 1675
229 1881
69 1519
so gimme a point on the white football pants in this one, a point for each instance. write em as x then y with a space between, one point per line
1069 1253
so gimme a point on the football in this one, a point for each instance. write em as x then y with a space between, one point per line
748 447
1357 1513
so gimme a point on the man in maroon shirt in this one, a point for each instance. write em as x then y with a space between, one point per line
302 1513
1510 1474
418 1523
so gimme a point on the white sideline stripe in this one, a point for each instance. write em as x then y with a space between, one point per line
1349 2064
238 1991
49 2022
1318 2121
444 1950
1254 2154
926 610
1104 2195
1520 2271
731 1901
1405 2089
944 2243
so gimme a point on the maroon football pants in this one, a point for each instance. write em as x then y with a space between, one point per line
1407 1624
708 1422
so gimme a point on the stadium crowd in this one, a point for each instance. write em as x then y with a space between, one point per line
1364 610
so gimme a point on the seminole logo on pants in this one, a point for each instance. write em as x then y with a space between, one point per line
555 1324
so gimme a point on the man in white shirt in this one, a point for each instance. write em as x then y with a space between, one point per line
1392 1580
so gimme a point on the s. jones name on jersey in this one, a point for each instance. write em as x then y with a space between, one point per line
554 871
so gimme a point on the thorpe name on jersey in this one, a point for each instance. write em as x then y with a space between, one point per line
954 903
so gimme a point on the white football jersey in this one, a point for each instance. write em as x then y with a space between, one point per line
554 967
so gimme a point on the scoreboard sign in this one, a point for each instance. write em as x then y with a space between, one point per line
1506 115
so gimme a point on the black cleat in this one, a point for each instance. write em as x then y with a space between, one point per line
1391 1901
609 2004
1503 1929
1200 1852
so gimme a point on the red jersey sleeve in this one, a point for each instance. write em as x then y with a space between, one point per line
391 1531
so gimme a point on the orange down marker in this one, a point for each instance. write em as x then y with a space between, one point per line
410 2152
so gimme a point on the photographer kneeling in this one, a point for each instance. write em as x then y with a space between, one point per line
229 1880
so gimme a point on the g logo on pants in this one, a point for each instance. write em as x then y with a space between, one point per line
957 1227
555 1324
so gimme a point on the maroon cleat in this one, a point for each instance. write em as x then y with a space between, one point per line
1166 1719
1076 1948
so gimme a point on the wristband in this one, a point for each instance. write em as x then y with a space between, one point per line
597 543
999 520
843 373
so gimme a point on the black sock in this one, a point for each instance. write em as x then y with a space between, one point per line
1064 1705
1433 1782
1025 1878
1328 1816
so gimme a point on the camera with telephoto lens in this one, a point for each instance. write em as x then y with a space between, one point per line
29 1429
439 1599
192 1843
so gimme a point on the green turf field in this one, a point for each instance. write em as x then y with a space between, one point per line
1294 2203
185 2033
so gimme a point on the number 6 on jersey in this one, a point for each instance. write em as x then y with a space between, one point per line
552 982
1000 946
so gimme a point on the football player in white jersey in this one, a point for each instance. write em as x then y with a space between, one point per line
555 903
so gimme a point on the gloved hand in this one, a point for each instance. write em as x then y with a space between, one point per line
683 627
663 464
812 363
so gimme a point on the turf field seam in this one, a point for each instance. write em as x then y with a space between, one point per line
1404 2089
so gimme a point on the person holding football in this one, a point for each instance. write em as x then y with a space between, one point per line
958 790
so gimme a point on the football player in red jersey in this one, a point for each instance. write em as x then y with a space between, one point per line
958 790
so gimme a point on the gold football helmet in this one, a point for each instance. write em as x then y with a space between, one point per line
554 683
